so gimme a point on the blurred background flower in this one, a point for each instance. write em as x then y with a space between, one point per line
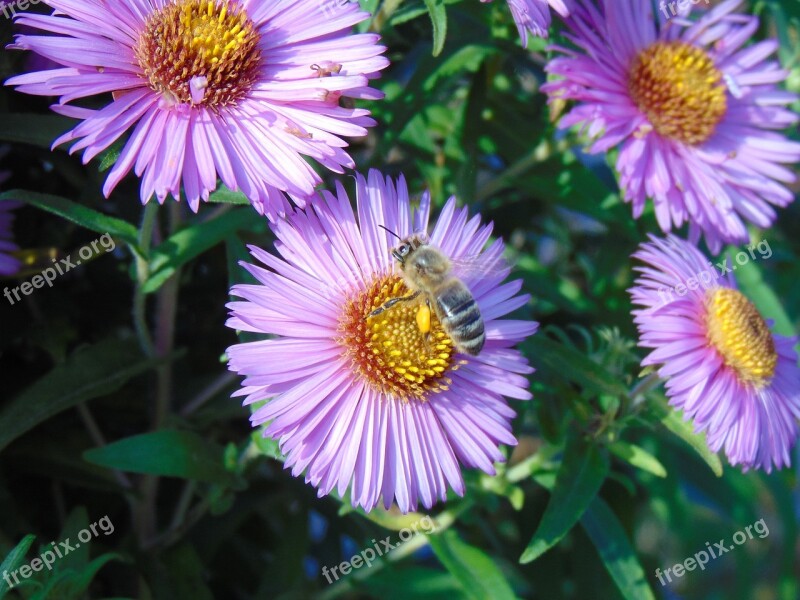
694 108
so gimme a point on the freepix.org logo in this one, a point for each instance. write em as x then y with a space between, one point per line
104 243
59 550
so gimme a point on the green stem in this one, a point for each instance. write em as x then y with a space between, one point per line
444 520
538 155
386 10
530 465
142 272
166 310
639 391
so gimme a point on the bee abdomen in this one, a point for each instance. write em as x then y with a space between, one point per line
460 317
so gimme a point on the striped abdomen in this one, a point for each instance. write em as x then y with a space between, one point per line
460 316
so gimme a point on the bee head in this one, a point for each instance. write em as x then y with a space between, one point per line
407 246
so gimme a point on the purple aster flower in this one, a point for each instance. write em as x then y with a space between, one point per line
724 367
693 108
235 89
370 403
534 16
9 265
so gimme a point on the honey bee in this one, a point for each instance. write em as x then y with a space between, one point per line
326 68
427 271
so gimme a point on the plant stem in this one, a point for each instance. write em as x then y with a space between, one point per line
142 272
384 13
166 309
538 155
99 440
639 391
531 464
208 392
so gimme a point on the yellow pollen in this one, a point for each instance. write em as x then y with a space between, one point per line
680 90
190 39
741 335
389 351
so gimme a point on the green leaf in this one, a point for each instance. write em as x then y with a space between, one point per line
619 558
192 241
167 453
396 522
267 446
74 583
91 372
79 214
109 156
413 582
438 15
178 572
474 570
225 196
638 457
13 561
33 129
672 420
582 369
582 472
78 558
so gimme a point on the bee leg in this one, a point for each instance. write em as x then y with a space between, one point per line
390 303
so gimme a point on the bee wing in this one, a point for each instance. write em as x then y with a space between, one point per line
475 270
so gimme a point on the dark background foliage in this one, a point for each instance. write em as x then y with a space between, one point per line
223 519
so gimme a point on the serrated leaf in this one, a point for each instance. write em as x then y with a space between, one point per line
619 558
91 372
166 453
477 573
192 241
438 14
579 478
78 214
638 457
13 560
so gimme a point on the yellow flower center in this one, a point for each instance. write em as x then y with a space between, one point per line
200 52
389 351
741 336
680 90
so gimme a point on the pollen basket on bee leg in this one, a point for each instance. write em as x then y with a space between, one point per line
403 351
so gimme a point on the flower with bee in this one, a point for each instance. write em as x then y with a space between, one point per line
377 380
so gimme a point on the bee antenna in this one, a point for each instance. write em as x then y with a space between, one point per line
390 231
